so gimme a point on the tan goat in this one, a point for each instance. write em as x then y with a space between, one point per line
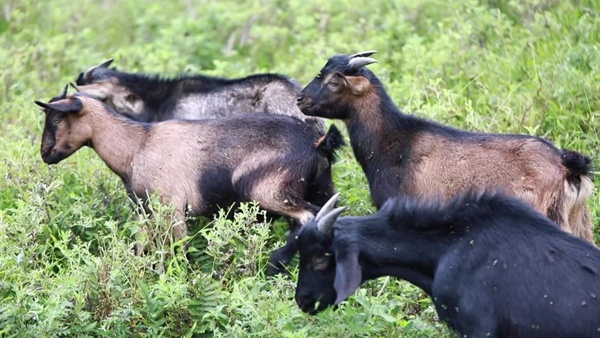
202 165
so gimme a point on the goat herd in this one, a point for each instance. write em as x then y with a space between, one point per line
494 227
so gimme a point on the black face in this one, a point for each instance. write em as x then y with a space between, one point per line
53 119
317 271
324 95
59 140
49 152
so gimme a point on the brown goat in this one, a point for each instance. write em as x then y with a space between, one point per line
202 165
405 155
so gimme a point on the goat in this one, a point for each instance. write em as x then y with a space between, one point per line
405 154
202 165
493 266
148 98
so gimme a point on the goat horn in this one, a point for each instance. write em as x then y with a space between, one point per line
325 209
87 76
325 224
363 54
360 61
64 93
74 86
106 63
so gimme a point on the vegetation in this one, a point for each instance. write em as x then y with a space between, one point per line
67 266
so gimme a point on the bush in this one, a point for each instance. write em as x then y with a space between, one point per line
67 232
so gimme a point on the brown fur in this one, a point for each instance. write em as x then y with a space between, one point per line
402 154
153 159
525 168
123 100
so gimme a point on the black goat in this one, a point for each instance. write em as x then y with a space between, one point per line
493 266
203 165
403 154
148 98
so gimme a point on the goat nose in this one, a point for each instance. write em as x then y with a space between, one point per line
46 151
305 303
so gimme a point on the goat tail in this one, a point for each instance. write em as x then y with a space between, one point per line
329 143
578 188
579 165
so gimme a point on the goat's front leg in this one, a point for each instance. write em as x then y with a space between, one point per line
282 256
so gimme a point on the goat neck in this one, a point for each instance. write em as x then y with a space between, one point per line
380 136
383 253
115 139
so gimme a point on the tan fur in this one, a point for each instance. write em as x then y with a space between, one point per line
367 102
139 156
579 217
358 84
523 167
116 95
155 160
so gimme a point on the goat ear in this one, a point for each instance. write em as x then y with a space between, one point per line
64 106
348 274
95 90
358 84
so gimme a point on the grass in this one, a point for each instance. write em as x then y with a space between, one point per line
67 266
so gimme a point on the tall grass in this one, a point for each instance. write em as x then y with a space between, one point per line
67 231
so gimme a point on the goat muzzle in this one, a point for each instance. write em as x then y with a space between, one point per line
306 304
300 98
303 101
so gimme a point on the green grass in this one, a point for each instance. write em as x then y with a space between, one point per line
67 231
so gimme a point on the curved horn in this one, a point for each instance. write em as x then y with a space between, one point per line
325 224
325 209
363 54
106 63
87 76
360 61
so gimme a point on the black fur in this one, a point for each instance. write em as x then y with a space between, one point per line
578 165
387 157
492 265
211 96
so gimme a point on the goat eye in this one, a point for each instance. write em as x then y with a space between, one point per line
131 97
321 263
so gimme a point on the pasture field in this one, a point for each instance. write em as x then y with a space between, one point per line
67 266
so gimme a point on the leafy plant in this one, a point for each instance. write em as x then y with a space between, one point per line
68 231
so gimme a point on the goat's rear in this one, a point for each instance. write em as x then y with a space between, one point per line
578 188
